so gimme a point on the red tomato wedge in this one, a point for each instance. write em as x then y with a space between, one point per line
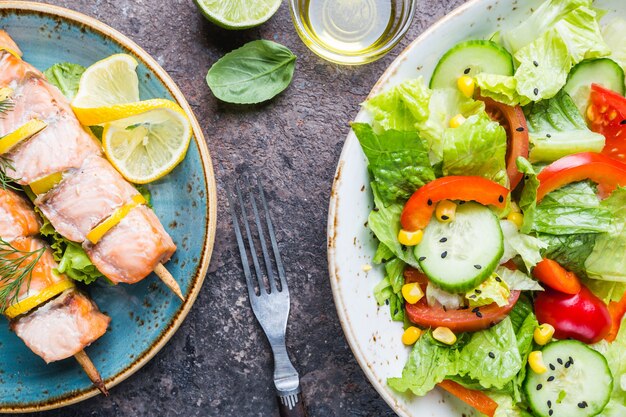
581 316
617 310
607 116
593 166
556 277
420 207
477 399
514 122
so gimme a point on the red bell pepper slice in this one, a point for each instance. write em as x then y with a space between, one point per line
420 207
617 310
477 399
556 277
578 167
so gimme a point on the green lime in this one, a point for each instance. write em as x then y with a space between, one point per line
238 14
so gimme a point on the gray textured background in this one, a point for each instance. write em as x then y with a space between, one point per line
218 363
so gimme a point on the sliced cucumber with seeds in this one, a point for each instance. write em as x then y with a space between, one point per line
459 255
603 71
471 58
578 382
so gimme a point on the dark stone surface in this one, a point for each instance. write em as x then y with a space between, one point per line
219 363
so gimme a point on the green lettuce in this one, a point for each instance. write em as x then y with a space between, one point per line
493 290
528 198
606 290
528 248
516 280
397 160
383 254
557 129
477 147
599 264
501 88
572 209
401 107
506 406
613 34
570 251
66 77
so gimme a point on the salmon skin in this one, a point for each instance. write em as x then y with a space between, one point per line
91 189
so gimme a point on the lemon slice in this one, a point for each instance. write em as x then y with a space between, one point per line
47 183
148 145
108 82
118 215
26 131
238 14
38 299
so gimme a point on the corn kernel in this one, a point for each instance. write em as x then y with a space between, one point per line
457 121
517 218
445 211
444 335
412 292
407 238
411 335
535 360
466 85
543 334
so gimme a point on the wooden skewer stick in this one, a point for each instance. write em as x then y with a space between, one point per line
91 371
168 280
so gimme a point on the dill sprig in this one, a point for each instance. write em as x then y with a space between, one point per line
6 104
6 181
16 268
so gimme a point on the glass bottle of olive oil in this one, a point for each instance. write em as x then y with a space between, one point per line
348 27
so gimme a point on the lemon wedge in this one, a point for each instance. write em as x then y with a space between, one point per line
148 145
26 131
38 299
106 83
118 215
47 183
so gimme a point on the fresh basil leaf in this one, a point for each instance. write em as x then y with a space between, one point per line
66 77
570 251
557 129
397 160
254 73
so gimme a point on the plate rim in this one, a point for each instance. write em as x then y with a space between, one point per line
211 198
333 220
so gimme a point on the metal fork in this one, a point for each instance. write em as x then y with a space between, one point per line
270 305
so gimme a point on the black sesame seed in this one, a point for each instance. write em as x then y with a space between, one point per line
467 71
548 135
422 258
585 404
501 199
571 360
492 355
477 266
539 387
498 279
535 63
549 404
581 405
526 177
567 364
430 202
461 202
444 308
376 209
560 361
520 129
387 301
443 239
623 122
479 314
477 291
475 309
552 367
536 91
473 296
550 412
395 311
444 254
444 217
550 379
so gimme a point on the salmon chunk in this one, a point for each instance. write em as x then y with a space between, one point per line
17 217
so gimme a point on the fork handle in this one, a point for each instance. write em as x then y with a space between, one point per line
291 405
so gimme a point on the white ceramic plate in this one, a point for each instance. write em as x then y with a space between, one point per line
373 337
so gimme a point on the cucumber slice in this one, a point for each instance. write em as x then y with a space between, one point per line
603 71
578 382
471 58
459 255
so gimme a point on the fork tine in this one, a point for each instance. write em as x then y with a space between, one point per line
270 227
257 219
255 259
242 247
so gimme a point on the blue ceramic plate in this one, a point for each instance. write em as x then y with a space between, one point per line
146 315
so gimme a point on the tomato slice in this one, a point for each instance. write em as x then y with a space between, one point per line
556 277
477 399
607 115
599 168
420 207
514 122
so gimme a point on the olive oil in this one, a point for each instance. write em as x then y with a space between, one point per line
348 27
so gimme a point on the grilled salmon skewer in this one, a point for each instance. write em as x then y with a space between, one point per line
88 202
53 318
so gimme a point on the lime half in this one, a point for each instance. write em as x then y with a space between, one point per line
238 14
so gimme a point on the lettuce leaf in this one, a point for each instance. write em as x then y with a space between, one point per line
501 88
613 34
493 290
613 267
477 147
557 129
517 280
401 107
570 251
435 296
506 406
397 160
66 77
516 243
